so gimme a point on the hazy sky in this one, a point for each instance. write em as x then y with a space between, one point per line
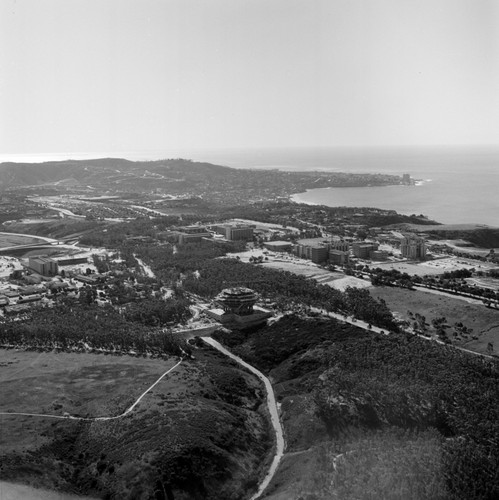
146 75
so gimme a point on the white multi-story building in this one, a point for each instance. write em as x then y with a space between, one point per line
413 247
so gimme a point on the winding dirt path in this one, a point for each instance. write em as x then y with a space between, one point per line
274 414
95 419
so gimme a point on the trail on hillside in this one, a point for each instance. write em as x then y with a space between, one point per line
274 414
94 419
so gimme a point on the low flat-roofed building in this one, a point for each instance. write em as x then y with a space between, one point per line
87 279
71 261
16 309
189 234
184 238
193 229
278 246
29 298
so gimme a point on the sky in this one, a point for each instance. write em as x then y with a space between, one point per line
85 76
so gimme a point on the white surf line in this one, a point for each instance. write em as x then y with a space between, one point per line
94 419
274 414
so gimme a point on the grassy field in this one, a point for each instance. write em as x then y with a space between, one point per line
483 321
205 421
79 384
10 240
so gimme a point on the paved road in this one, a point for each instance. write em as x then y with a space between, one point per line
274 414
365 326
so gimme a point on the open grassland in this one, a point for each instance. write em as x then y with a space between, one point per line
201 432
483 321
77 384
11 240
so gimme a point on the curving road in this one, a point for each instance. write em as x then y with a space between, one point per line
95 419
274 414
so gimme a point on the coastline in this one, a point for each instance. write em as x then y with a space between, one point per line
426 197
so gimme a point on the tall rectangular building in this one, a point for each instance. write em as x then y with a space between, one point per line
43 265
413 247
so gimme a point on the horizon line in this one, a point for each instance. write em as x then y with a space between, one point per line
159 154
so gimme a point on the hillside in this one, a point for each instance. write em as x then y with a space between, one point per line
181 177
372 416
201 433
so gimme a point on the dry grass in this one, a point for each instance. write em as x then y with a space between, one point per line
10 240
364 467
203 420
483 321
79 384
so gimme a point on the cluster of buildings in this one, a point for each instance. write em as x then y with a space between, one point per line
339 252
230 231
235 231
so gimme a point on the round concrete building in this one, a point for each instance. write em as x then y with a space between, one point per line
237 300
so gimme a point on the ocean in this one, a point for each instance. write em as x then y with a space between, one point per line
456 185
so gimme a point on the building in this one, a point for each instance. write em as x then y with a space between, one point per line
239 232
235 231
236 308
17 309
342 245
314 249
315 253
363 250
43 265
339 257
413 247
237 300
71 261
36 297
191 234
379 255
278 246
